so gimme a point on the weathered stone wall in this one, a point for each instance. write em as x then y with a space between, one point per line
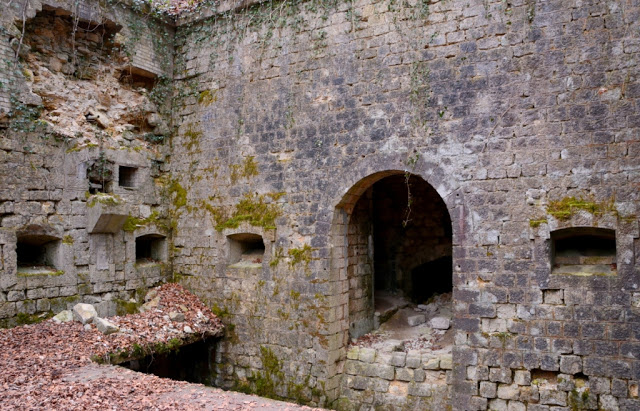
402 380
292 111
82 174
521 115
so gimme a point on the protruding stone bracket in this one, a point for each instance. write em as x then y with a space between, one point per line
106 218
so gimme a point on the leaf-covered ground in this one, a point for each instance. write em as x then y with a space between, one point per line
48 366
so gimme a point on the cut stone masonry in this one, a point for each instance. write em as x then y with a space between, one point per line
295 163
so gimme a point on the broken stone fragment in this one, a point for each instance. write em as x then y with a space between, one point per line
440 323
154 119
85 313
153 293
99 117
105 326
416 320
63 317
188 329
149 305
176 316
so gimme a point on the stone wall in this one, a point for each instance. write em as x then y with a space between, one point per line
83 175
398 380
521 115
294 111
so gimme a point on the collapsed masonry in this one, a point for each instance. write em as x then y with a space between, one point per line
302 166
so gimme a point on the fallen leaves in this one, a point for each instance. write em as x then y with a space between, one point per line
48 366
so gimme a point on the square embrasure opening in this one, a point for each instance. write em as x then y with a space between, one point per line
246 250
584 251
151 248
37 254
127 176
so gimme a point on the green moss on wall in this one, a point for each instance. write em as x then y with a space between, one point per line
300 255
565 208
253 209
248 168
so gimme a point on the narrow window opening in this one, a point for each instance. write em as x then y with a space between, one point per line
246 250
127 176
584 251
37 253
150 248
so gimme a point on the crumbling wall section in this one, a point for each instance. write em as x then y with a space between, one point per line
83 162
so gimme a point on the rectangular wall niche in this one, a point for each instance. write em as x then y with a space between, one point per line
151 248
127 176
246 250
583 251
37 254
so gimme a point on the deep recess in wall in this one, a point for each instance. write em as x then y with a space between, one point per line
400 250
246 249
150 248
193 363
412 239
584 251
37 252
127 176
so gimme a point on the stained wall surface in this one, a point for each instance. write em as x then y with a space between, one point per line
277 120
292 111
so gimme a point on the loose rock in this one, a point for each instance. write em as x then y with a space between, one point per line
85 313
105 326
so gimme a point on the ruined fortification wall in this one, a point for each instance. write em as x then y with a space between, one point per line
83 164
513 111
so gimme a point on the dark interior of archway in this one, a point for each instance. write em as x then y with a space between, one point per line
412 238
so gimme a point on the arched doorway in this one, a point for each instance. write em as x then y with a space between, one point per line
398 246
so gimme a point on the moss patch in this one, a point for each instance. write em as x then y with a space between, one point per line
565 208
536 223
300 255
207 97
133 223
248 168
253 209
177 193
107 199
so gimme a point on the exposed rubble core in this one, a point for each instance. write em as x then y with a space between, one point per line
89 91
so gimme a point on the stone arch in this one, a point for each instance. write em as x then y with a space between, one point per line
364 178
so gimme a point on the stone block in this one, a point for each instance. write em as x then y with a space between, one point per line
488 389
404 374
386 372
570 364
498 405
367 355
106 218
440 323
105 326
415 320
446 362
522 377
508 391
398 359
503 375
516 406
413 359
431 364
553 397
85 313
379 385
